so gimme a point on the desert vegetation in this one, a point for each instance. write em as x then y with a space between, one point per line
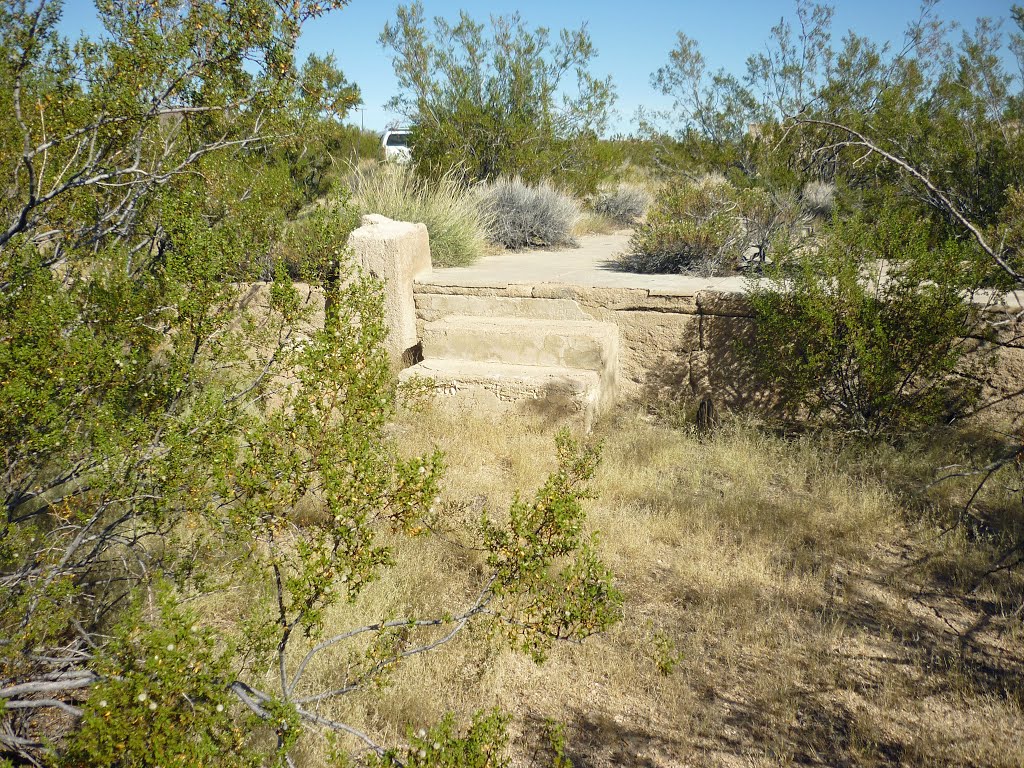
527 216
227 542
460 228
785 601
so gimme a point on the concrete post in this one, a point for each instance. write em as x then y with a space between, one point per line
396 252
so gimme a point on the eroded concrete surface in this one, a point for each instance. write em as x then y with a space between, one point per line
680 335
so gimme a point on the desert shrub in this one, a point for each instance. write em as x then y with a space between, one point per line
457 224
173 436
1010 228
819 198
868 330
625 205
482 746
694 228
770 217
524 216
500 99
312 245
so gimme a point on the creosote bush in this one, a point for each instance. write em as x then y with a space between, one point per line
694 227
524 216
869 331
313 245
457 223
175 434
496 98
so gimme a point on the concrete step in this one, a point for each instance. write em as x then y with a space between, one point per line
434 306
582 344
550 391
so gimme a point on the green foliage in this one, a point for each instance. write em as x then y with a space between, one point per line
664 653
482 746
557 743
869 331
165 86
693 227
319 161
709 118
548 580
173 431
1009 229
456 222
161 699
807 110
524 216
313 245
496 102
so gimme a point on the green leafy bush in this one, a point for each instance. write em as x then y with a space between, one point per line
1010 228
524 216
500 99
312 246
161 697
174 434
625 205
871 330
482 746
320 159
693 228
457 223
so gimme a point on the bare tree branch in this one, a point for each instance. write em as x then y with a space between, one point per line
943 198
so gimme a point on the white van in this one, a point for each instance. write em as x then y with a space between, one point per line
396 145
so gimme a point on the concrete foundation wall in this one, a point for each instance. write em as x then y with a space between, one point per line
673 347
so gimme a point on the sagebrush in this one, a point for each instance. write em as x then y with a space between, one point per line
525 216
625 205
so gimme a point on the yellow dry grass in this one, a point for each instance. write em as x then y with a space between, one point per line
812 611
591 223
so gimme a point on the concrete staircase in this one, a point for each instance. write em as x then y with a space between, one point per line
507 354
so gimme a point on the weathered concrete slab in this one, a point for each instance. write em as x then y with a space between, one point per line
430 307
582 344
560 343
468 386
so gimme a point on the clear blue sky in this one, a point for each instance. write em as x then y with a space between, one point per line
632 37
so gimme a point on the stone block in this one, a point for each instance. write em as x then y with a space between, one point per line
465 386
430 307
723 303
395 252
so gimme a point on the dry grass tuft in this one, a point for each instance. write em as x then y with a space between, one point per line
457 224
783 585
592 223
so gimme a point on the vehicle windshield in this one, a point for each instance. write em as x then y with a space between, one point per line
398 140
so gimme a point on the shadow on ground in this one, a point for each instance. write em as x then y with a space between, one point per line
899 687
